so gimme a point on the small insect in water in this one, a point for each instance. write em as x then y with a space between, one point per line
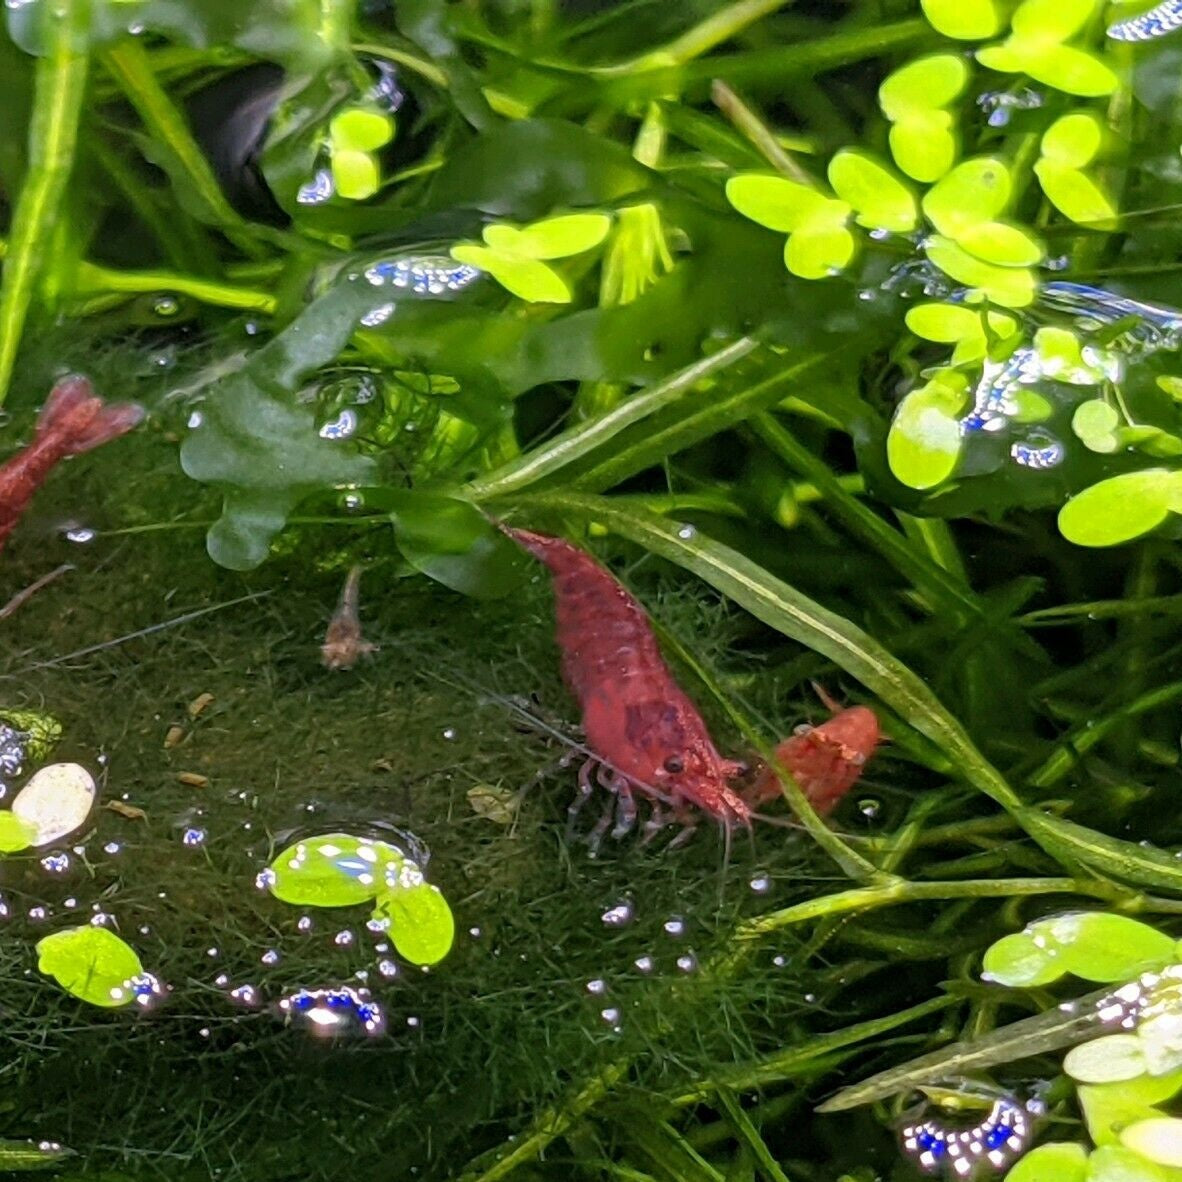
343 643
646 737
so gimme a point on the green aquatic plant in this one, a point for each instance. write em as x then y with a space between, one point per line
95 965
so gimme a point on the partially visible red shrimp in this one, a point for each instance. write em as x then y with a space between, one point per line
824 760
646 734
73 420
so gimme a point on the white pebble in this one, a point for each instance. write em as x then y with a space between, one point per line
56 801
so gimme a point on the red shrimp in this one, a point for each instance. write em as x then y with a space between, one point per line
73 420
644 732
825 761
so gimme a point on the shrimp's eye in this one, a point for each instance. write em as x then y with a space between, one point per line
673 765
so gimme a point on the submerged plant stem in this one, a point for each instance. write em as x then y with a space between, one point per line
59 88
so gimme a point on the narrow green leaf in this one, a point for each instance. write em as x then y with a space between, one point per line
59 89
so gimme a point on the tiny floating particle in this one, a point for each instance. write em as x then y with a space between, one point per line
193 779
173 736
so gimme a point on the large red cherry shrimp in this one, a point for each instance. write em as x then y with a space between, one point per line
645 734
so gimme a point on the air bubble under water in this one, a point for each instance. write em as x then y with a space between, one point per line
618 916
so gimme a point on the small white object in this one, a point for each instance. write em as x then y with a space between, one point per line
56 801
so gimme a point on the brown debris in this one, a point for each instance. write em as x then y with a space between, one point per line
199 704
128 811
173 736
193 779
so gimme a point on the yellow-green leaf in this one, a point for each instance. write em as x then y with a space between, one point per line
553 238
928 82
966 20
420 922
773 201
881 200
1002 243
1120 508
90 962
975 191
1012 287
528 279
924 144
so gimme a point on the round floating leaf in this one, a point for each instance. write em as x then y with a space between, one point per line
774 201
1001 243
1021 960
881 200
927 82
1051 20
1073 71
355 175
1073 140
975 191
552 238
15 834
924 145
1012 287
1113 1059
1114 1163
823 246
1108 1108
1159 1139
1075 195
1057 1161
1095 422
1153 441
361 130
336 870
43 731
90 962
1031 407
528 279
924 441
949 323
966 20
421 924
1120 508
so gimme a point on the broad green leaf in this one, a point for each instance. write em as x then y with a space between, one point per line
1018 960
1159 1139
774 201
928 82
553 238
1108 1108
259 442
15 834
1030 406
1056 1161
90 962
881 200
1075 195
925 437
361 130
1001 243
823 246
1153 441
452 542
422 927
924 145
1073 140
966 20
528 279
1114 1163
945 323
355 174
975 191
336 870
1012 287
1051 20
1120 508
1113 1059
